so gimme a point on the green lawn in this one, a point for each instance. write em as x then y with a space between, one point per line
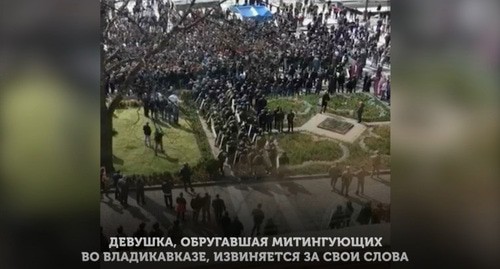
346 106
298 105
383 144
304 147
287 104
132 157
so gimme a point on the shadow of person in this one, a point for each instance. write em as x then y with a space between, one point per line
116 207
165 156
136 213
294 188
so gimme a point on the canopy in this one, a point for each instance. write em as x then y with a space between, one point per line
259 13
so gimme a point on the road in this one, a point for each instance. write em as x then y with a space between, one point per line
299 205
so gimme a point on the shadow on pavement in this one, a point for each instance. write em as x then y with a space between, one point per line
294 188
110 202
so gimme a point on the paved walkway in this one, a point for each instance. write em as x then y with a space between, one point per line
299 205
312 127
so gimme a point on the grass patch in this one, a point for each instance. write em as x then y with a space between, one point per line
301 148
346 106
298 105
131 156
287 104
358 158
382 144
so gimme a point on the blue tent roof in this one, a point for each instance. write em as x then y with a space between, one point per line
260 13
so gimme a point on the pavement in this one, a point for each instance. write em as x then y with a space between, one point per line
296 205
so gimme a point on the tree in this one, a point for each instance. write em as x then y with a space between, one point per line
130 41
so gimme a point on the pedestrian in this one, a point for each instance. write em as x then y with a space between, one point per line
346 181
365 215
280 118
324 102
166 188
236 227
123 185
186 174
158 141
156 231
147 134
120 234
219 206
349 210
360 175
221 160
116 178
181 207
226 225
258 218
360 109
175 232
139 189
337 220
334 173
205 209
103 181
376 162
290 117
196 205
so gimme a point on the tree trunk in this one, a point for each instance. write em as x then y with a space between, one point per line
106 134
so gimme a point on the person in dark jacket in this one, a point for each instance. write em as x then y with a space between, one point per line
236 227
360 110
147 134
186 174
219 206
324 102
139 189
166 188
225 223
290 117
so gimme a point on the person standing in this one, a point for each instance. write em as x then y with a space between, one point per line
324 102
360 110
361 180
147 134
205 209
346 181
280 118
186 174
167 187
258 218
196 205
219 206
123 185
236 227
290 117
116 177
156 231
376 162
334 173
181 207
225 223
158 141
139 189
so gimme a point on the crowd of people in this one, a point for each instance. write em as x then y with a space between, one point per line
232 67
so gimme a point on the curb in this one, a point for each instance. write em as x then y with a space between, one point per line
239 181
